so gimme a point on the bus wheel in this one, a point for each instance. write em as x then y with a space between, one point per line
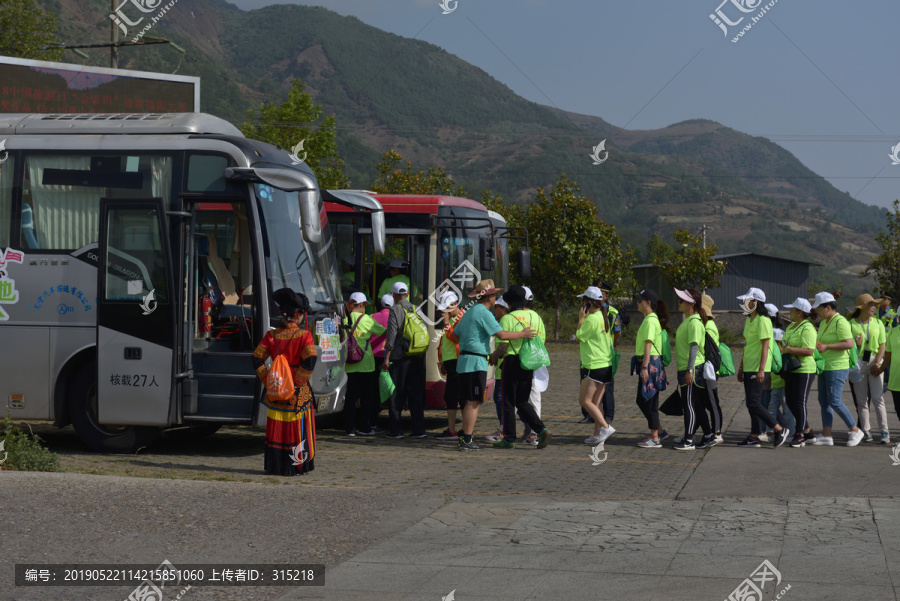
103 438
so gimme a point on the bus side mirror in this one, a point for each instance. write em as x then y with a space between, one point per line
523 260
378 235
487 254
309 216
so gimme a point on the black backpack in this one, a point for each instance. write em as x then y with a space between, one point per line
712 353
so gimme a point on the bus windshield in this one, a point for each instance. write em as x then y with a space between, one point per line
460 237
291 262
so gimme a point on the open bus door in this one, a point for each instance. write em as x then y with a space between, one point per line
136 340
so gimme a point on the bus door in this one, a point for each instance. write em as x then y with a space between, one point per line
135 314
220 314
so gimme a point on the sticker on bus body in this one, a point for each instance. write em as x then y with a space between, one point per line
8 293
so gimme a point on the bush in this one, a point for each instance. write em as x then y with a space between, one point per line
23 450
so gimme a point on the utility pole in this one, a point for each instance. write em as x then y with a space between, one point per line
703 229
114 38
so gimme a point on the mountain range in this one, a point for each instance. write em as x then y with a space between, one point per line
389 92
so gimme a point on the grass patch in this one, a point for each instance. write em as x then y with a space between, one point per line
23 451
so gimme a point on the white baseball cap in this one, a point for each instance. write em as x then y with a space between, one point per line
529 295
399 288
822 298
387 300
755 294
501 303
683 295
772 308
358 298
592 293
801 303
447 298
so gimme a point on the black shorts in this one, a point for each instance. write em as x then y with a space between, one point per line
452 398
601 375
472 386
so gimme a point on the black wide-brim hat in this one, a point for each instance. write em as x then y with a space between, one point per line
515 297
290 302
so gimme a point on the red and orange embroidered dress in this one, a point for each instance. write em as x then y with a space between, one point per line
290 424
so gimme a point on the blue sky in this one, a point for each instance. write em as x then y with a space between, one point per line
820 79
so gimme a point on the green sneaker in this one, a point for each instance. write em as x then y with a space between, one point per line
504 444
543 438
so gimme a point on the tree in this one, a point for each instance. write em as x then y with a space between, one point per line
571 248
297 120
886 266
393 178
690 264
26 31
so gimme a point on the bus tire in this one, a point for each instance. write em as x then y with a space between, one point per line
83 413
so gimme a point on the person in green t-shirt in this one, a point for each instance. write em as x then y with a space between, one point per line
756 364
800 340
690 342
362 377
517 381
496 359
711 402
647 352
870 337
394 268
833 342
892 359
596 357
448 353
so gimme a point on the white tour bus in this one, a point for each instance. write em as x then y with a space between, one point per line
196 226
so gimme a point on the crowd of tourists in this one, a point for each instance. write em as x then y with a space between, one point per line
784 352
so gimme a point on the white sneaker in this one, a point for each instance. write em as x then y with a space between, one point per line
763 437
824 441
719 439
606 433
855 437
593 440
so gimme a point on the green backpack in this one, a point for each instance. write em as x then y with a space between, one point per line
415 333
727 366
666 350
776 357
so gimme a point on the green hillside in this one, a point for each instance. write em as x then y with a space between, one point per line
390 92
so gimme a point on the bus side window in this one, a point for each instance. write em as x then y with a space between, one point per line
6 180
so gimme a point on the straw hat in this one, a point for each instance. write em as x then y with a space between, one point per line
865 299
484 288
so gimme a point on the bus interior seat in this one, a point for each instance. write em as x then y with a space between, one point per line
224 278
28 227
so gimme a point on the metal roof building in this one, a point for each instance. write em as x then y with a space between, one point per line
780 278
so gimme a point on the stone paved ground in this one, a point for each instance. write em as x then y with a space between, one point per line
415 520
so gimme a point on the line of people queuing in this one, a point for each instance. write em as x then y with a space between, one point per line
860 347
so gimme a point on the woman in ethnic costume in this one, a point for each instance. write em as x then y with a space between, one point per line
290 424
